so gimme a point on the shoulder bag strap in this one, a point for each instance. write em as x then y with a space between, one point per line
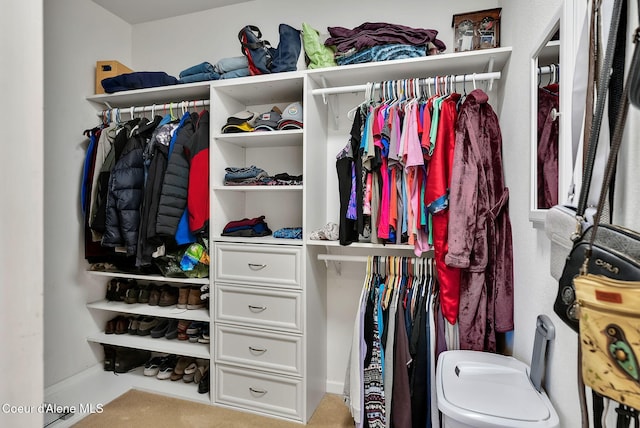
603 85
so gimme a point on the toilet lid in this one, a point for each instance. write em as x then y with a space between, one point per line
496 388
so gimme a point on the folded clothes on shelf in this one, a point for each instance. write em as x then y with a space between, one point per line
254 176
246 227
288 233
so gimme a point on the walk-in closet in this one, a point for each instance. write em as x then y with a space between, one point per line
272 321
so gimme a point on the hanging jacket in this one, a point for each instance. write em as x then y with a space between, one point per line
173 196
197 152
479 237
156 156
98 218
126 188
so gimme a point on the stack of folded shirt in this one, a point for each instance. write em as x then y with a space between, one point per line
247 228
381 41
284 179
245 176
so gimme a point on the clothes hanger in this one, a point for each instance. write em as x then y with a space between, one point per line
351 114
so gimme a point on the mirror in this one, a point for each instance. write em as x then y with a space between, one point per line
545 122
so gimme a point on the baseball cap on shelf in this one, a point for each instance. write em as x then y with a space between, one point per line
291 117
242 121
269 121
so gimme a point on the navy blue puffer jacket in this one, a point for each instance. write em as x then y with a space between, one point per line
126 189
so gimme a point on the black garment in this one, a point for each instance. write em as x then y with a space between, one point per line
155 155
98 223
348 228
126 187
420 372
173 198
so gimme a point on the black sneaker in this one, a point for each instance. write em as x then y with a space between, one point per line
172 329
161 329
128 359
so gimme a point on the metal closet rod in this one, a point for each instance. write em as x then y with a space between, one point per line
363 259
460 78
153 107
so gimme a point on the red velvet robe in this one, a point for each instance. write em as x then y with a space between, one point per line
479 240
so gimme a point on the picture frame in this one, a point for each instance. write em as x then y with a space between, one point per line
476 30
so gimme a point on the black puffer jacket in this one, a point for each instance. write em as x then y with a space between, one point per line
126 188
173 197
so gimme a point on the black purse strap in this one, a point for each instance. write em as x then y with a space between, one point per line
596 122
615 145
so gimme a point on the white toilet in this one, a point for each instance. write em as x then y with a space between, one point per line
482 390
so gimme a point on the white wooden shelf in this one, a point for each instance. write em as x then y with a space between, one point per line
324 243
174 346
258 240
153 311
159 95
178 389
260 188
155 278
434 65
263 89
287 138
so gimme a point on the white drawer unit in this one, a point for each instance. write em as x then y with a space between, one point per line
275 265
259 307
276 395
259 349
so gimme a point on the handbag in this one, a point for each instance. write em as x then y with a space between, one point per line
577 230
608 306
609 336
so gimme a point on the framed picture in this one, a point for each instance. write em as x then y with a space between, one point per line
477 30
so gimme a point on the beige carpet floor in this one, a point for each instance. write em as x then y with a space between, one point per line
142 409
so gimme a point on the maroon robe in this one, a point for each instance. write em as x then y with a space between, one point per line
479 227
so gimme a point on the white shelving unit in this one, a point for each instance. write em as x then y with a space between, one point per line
272 292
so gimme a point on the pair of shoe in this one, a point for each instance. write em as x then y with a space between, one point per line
122 360
164 295
161 367
198 332
137 294
118 289
190 298
167 328
117 325
193 331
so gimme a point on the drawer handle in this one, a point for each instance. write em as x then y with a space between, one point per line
257 350
257 309
254 266
258 391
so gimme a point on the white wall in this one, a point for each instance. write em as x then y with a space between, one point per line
21 214
535 289
77 34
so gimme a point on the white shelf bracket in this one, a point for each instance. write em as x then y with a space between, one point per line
330 101
492 61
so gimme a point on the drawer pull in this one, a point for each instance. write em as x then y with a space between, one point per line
257 350
254 266
257 391
257 309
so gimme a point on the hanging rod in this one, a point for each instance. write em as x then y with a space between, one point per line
460 78
339 258
547 69
154 107
363 259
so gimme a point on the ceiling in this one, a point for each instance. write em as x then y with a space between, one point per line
138 11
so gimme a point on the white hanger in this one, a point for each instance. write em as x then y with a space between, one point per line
473 77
